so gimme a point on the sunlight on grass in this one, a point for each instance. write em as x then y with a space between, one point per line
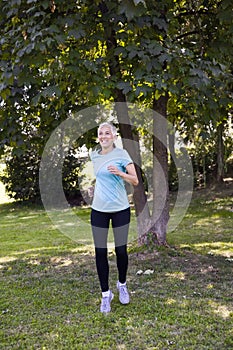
179 275
28 217
84 250
210 286
170 301
213 220
31 252
50 295
223 249
61 262
221 310
7 259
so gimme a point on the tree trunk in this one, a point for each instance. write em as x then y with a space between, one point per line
130 142
130 139
173 159
160 214
220 153
158 222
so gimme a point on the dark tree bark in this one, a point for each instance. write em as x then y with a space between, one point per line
220 153
156 223
160 214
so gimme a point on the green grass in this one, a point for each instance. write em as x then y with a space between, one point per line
50 294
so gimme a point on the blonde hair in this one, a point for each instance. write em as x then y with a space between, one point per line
111 126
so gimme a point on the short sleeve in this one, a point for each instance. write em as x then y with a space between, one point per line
126 159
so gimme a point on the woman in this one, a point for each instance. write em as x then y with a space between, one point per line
112 166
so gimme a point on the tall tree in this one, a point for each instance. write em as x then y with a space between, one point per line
59 57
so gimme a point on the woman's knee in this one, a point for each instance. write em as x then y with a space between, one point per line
101 252
121 250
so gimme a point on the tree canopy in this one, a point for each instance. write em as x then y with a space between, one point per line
59 57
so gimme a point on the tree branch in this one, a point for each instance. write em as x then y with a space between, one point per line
193 12
186 34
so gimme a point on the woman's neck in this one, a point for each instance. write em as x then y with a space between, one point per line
106 150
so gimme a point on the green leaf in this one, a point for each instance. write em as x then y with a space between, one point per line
54 29
128 8
5 93
36 99
124 86
50 91
160 23
155 48
164 58
120 50
77 34
45 4
132 54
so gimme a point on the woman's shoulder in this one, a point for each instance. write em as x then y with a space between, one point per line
120 150
94 153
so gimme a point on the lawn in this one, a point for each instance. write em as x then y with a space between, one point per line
181 296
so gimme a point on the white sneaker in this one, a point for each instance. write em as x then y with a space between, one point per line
123 293
105 306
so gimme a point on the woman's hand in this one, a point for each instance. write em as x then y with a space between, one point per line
130 176
114 170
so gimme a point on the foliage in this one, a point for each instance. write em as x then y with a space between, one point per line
58 57
204 152
72 177
21 176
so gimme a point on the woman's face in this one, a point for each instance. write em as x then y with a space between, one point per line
106 137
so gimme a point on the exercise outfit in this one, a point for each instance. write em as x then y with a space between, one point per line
110 204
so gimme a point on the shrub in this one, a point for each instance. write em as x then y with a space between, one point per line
21 176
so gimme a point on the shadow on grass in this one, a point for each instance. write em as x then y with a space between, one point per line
50 299
181 299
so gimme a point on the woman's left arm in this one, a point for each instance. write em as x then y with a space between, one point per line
130 176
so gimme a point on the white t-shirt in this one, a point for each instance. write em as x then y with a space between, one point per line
110 194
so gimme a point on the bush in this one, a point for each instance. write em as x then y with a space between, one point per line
21 176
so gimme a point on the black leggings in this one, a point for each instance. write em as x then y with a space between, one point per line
100 222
